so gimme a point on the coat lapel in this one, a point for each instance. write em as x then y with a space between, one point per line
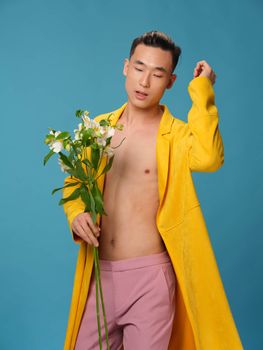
163 152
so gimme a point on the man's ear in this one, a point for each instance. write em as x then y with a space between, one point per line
171 81
125 67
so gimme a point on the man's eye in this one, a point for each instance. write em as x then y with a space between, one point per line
138 69
158 76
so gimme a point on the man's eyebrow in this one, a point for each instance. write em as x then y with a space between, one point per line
158 68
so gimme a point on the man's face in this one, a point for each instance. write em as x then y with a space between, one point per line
148 71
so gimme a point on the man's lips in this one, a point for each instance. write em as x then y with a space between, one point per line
141 92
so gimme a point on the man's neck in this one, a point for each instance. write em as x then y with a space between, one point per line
135 116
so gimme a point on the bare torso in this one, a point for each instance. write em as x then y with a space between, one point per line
131 196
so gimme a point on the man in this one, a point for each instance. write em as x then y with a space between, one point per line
161 286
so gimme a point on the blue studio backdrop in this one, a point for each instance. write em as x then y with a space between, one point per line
59 56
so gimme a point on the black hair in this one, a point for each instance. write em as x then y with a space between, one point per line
161 40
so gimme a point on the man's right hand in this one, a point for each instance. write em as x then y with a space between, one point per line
83 226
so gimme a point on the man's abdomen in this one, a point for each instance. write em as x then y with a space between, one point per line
129 229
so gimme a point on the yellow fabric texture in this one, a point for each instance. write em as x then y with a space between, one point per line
203 318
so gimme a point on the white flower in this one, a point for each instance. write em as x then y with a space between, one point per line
108 151
101 141
107 131
77 134
95 125
103 134
86 121
63 166
99 131
78 131
56 146
56 133
110 132
90 123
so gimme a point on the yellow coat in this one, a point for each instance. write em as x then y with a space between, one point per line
203 319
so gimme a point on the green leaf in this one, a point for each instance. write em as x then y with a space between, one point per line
95 156
108 165
97 198
48 156
104 122
72 172
74 195
63 135
79 113
108 118
48 138
87 142
87 162
68 185
93 207
84 193
87 135
65 160
108 140
71 155
80 173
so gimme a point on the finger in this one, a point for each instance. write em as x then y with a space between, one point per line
82 233
93 239
199 66
85 225
213 79
88 233
197 70
95 229
203 63
213 75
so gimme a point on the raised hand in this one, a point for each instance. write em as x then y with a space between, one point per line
202 68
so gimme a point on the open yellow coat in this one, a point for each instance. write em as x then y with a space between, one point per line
203 319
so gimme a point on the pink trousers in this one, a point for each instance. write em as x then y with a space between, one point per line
139 300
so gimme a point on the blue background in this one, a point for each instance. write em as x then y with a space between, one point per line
58 56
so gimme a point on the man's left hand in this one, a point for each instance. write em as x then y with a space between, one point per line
202 68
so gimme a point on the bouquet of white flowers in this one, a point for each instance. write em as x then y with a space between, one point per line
97 137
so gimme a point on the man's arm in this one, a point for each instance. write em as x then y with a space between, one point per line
74 207
205 145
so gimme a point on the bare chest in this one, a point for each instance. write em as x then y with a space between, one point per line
135 152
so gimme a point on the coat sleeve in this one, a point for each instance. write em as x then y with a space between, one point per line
72 208
76 206
204 141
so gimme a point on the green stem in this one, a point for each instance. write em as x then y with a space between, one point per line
102 170
87 168
97 299
102 302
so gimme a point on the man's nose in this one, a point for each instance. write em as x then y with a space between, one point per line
145 80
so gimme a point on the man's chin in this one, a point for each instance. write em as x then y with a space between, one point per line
142 104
